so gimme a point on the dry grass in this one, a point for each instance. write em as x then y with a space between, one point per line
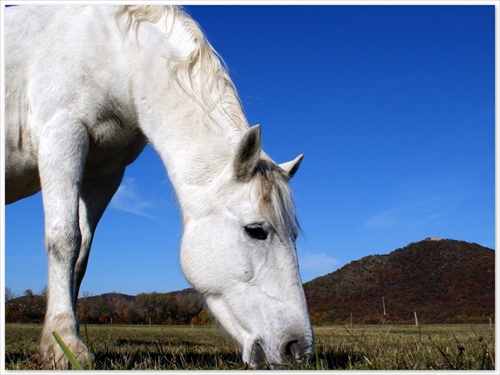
440 347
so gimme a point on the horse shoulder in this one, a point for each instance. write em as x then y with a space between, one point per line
48 70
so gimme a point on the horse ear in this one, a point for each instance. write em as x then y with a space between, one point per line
292 166
248 154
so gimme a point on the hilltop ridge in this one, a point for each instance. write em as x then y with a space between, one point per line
443 281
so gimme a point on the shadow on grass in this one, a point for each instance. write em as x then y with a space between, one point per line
169 361
168 356
337 359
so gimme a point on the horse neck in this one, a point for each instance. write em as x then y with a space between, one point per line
197 151
187 105
196 139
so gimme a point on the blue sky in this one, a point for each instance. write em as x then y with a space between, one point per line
393 107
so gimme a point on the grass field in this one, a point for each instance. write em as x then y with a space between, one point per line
382 347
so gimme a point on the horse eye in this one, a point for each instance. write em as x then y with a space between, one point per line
256 231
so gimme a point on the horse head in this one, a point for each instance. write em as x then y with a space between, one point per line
239 253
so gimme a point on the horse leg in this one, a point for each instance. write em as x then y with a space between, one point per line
62 152
94 198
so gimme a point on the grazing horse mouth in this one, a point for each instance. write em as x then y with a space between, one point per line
293 350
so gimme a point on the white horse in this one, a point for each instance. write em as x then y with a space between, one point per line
86 88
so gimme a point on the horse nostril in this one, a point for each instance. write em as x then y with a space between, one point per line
291 348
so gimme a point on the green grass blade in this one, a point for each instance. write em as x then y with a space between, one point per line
90 363
132 360
71 357
318 364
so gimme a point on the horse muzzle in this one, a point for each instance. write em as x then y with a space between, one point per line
295 350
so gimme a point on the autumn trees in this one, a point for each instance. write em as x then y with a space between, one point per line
183 307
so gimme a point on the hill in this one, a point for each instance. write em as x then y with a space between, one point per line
443 281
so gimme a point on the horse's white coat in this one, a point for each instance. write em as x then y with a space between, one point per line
86 88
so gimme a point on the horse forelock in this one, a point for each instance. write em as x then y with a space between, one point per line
213 89
276 202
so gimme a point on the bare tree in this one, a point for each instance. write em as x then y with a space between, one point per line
9 294
84 306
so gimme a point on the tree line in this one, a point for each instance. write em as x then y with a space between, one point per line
185 307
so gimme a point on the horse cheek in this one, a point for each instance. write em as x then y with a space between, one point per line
211 263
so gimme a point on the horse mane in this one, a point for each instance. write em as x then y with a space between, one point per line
200 59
